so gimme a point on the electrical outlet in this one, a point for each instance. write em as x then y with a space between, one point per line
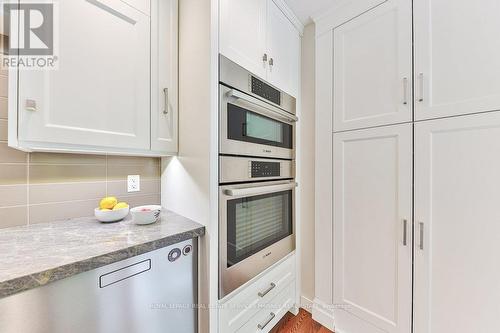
134 183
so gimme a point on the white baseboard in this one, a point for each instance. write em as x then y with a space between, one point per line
323 314
306 303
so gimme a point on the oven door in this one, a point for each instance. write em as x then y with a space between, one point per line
256 230
252 127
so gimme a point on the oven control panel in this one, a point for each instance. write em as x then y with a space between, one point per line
259 169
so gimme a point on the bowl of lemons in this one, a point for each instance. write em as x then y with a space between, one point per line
111 210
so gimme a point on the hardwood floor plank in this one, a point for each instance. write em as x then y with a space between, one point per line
301 323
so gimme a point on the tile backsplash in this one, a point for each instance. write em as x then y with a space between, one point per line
42 187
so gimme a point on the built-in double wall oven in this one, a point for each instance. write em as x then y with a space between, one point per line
256 176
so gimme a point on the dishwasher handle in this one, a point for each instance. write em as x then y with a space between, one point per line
124 273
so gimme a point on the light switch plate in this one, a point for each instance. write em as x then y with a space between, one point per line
134 183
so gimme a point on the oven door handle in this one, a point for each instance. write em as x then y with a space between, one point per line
238 192
272 112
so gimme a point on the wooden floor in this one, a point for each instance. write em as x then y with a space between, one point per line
302 323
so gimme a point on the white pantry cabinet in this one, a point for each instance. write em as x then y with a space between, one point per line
372 207
103 97
257 35
457 229
456 57
372 68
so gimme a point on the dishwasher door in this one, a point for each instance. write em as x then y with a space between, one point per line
155 292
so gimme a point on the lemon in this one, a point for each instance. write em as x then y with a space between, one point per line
120 205
105 209
108 203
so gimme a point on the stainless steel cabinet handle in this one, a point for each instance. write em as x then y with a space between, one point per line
263 325
421 86
405 91
265 292
264 57
165 95
271 62
421 243
405 232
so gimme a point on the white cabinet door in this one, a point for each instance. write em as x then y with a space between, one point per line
164 108
456 57
100 95
242 35
457 235
283 42
372 207
373 67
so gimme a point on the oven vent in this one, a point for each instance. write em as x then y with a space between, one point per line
266 91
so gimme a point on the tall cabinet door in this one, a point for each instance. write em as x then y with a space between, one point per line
457 236
283 42
372 207
107 61
242 28
164 106
372 68
456 57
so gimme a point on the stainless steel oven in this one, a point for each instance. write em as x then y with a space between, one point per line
256 230
256 119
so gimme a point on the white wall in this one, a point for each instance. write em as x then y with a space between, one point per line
307 126
186 178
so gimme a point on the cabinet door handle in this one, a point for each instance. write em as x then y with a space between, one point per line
265 292
271 62
405 91
165 96
405 232
263 325
421 86
421 243
264 57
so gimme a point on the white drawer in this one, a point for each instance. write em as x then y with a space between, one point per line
271 313
241 306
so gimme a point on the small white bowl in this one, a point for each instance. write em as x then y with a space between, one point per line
107 216
146 214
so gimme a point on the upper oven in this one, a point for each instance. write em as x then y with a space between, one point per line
256 119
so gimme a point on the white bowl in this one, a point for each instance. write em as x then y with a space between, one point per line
146 214
111 215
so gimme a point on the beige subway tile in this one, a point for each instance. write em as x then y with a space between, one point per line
3 129
59 192
40 173
132 160
120 172
119 188
13 195
4 86
4 108
61 211
13 216
11 155
51 158
141 200
11 174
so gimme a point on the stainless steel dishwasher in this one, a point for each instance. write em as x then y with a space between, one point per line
150 293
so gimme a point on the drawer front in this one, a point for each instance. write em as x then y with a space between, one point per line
241 307
270 314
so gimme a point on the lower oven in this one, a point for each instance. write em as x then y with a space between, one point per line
257 222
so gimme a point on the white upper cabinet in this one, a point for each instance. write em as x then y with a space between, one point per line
164 108
372 207
372 60
284 51
243 33
456 224
99 100
456 57
258 36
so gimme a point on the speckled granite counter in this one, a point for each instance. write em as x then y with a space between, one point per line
36 255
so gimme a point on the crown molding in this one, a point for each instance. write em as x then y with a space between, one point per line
290 15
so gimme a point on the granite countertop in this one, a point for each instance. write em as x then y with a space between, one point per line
35 255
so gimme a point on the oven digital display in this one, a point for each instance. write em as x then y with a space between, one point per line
266 91
265 169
